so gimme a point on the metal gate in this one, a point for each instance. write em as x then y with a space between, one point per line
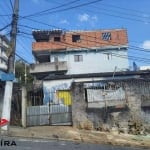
57 112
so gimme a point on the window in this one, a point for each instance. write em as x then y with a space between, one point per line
76 38
106 36
78 58
57 39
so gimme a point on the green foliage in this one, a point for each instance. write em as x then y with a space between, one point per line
22 69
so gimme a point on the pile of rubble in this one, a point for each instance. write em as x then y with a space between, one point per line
135 127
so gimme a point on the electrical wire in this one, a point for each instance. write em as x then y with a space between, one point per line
5 27
114 54
122 13
65 9
21 58
40 12
123 8
11 5
140 59
130 46
139 19
5 19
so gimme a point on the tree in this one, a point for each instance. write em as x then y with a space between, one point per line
22 73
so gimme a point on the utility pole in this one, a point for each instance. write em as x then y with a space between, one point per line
11 67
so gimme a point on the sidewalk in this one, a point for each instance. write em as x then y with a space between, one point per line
73 134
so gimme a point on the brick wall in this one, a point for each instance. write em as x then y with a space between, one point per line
89 39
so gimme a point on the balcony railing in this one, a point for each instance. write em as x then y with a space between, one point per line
48 67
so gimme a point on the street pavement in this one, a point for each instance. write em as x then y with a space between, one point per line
40 144
66 133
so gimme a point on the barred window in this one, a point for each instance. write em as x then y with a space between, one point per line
106 36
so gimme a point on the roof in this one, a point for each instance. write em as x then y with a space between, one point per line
44 34
122 75
78 39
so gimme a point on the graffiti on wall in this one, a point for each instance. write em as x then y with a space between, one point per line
57 94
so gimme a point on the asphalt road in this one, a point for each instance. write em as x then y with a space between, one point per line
32 144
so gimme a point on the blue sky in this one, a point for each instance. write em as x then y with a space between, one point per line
134 15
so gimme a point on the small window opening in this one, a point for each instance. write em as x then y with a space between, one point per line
106 36
57 39
78 58
76 38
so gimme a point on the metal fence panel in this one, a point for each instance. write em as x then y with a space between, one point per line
37 115
45 115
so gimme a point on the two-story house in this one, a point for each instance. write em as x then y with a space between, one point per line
79 52
77 55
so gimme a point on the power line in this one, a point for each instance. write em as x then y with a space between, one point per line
22 45
132 47
21 58
11 5
29 27
25 36
65 9
40 12
136 11
104 13
115 54
5 27
118 15
5 20
119 12
145 60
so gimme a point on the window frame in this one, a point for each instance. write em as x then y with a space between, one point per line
106 36
76 38
78 58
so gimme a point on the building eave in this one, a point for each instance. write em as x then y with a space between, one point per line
103 48
129 74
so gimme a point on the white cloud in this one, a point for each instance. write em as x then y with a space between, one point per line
91 19
146 44
84 17
64 21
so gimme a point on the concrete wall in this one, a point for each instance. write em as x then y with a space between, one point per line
93 62
129 118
